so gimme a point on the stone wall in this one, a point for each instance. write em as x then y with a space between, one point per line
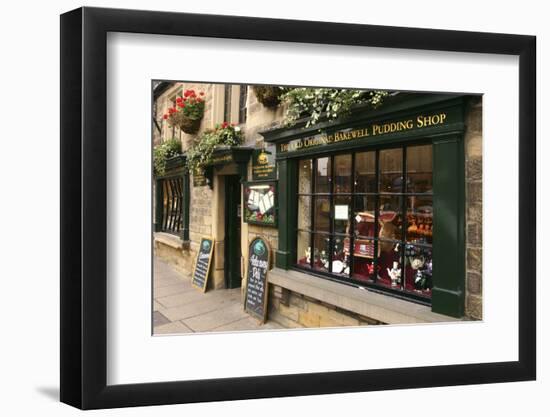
293 310
474 208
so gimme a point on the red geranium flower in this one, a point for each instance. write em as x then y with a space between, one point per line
179 100
180 104
165 117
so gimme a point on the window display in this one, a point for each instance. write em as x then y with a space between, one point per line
367 218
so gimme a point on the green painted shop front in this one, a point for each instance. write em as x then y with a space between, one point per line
438 120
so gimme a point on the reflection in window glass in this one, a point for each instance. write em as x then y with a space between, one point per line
322 215
304 212
342 210
322 176
342 174
365 172
419 169
321 249
304 175
391 170
419 219
303 249
364 215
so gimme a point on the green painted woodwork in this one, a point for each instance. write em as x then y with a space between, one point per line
448 182
232 264
287 213
448 224
158 205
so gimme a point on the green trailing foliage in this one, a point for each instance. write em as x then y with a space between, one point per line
199 155
330 103
166 150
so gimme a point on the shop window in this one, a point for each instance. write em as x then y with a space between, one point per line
366 218
174 207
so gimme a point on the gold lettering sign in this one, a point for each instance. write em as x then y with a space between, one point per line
375 129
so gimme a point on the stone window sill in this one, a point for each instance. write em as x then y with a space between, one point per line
171 240
383 308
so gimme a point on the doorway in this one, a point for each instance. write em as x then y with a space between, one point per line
232 244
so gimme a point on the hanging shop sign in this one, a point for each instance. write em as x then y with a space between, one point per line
202 266
258 263
263 164
372 130
260 203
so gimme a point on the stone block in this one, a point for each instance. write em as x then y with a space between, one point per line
290 312
474 308
475 213
474 259
344 319
473 145
297 300
474 282
309 319
474 232
474 192
474 169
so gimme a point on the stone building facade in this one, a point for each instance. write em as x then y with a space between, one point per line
298 298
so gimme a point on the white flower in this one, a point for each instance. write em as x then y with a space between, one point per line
237 129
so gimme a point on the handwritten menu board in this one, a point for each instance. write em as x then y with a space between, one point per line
260 203
199 179
256 279
202 266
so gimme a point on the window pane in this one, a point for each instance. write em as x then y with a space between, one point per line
304 212
322 176
364 215
419 219
303 249
419 169
342 212
389 263
418 271
390 216
322 215
365 172
342 174
391 170
321 250
340 258
363 269
304 176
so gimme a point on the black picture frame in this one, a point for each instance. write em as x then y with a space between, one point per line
84 207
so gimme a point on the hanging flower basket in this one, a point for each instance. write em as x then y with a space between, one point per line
269 96
188 112
187 124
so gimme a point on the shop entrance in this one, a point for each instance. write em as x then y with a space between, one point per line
232 265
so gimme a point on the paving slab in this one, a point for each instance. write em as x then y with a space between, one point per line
175 327
159 319
172 289
216 318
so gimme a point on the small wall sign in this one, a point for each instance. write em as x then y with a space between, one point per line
259 254
263 164
199 178
201 272
260 203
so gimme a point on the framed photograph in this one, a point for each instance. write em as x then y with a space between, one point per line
388 214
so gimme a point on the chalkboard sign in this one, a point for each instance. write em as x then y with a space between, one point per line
256 279
202 266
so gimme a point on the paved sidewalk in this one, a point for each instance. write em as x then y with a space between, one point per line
180 308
